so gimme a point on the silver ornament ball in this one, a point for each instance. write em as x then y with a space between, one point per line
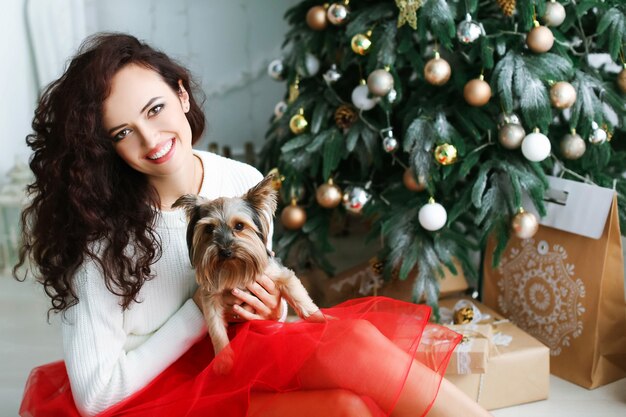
390 144
280 109
573 146
468 31
354 198
337 14
380 82
511 135
275 69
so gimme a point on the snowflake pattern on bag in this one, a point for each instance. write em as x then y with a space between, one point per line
539 292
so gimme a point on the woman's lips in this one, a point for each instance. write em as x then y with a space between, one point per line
163 153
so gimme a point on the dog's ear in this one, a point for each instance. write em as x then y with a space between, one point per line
191 204
262 197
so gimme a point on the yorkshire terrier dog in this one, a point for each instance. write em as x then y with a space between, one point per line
227 240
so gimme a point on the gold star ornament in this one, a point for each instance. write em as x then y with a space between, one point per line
408 12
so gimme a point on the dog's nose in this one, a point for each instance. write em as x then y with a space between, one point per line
226 253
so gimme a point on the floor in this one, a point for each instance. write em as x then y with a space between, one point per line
27 340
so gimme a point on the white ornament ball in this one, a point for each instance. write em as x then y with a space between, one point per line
280 109
536 147
598 135
555 14
432 216
361 99
312 65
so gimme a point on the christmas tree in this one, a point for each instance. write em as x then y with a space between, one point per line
432 118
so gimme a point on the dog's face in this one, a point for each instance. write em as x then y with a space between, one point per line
227 237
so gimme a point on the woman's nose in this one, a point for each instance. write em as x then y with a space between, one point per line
149 135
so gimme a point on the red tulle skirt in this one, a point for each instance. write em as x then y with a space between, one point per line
368 347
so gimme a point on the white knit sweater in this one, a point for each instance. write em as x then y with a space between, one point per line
111 353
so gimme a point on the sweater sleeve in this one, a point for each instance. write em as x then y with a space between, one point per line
100 370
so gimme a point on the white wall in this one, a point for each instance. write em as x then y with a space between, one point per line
226 44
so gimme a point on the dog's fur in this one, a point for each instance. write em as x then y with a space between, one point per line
227 240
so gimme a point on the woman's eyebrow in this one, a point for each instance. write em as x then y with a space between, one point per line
152 100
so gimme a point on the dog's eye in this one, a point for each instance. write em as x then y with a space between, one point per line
239 226
209 229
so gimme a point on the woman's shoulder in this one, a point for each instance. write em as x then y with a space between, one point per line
225 177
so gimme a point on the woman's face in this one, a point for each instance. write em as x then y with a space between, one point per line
146 120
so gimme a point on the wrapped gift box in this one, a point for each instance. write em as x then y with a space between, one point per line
471 355
362 280
516 373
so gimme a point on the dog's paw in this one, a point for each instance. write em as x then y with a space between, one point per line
223 363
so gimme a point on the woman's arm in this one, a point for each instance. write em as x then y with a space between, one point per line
102 372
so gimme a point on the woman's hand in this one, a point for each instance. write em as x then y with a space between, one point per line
262 302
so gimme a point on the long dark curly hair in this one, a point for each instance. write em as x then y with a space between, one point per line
86 202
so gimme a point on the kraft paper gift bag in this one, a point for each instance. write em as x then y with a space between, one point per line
565 285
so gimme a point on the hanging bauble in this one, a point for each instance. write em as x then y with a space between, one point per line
597 135
432 216
380 82
294 90
354 198
562 95
411 183
392 96
345 116
316 18
540 39
276 69
511 135
507 6
332 75
621 80
573 146
477 92
445 154
293 216
437 71
524 224
361 98
361 43
390 143
279 109
555 13
337 14
311 66
298 122
536 146
277 178
505 118
468 30
329 195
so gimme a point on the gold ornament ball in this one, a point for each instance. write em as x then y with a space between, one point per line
360 44
562 95
277 179
477 92
380 82
329 195
411 183
293 217
463 315
298 124
437 71
573 146
316 18
524 225
540 39
621 81
445 154
511 135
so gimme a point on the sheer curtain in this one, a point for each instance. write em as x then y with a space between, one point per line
56 29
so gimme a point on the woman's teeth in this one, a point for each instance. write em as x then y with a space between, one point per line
164 150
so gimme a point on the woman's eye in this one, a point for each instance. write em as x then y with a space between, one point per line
155 110
239 226
121 134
